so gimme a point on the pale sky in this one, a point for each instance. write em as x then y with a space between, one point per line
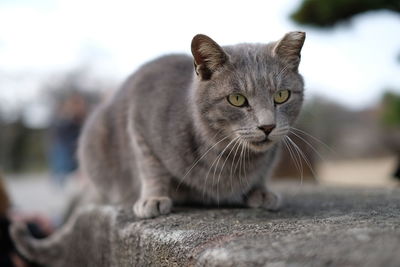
350 63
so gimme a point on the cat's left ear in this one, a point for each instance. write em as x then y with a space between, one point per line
208 56
289 47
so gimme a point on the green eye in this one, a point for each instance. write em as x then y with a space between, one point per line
237 100
281 97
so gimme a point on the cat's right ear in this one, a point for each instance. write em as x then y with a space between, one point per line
208 56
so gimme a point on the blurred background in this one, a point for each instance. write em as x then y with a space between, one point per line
58 58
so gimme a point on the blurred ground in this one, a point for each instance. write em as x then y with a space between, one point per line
359 172
37 193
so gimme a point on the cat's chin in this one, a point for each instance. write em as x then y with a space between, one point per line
261 146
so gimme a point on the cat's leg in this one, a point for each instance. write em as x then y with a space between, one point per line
154 199
155 180
262 197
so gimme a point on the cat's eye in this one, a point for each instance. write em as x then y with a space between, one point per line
281 97
237 100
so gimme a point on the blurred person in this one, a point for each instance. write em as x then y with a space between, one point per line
64 133
39 226
390 116
393 142
397 171
4 199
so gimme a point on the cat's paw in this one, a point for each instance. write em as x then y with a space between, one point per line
152 207
261 198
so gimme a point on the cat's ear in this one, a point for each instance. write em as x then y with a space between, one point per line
208 56
289 47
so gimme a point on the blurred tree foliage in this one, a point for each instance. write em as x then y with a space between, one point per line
391 109
326 13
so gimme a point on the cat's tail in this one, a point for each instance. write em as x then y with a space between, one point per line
42 251
51 250
48 251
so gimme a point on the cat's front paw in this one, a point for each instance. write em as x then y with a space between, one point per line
152 207
261 198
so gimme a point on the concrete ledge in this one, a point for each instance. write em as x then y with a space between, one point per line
317 226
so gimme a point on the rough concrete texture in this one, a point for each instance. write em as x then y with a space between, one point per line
317 226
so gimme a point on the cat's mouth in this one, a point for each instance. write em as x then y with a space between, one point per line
257 141
263 141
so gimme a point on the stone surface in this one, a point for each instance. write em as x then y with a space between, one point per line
317 226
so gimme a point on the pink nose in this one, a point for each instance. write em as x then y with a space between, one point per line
267 129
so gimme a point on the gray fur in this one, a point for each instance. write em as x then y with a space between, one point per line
157 141
140 146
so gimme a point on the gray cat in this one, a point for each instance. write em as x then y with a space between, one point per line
177 135
172 135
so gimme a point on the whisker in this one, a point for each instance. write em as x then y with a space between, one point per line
292 154
304 157
236 167
316 139
246 145
223 164
198 160
240 163
248 151
310 145
297 155
301 163
209 170
248 155
295 161
199 147
298 158
217 159
233 161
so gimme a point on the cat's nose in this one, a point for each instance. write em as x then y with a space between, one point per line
267 129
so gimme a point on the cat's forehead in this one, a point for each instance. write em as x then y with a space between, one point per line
254 67
246 55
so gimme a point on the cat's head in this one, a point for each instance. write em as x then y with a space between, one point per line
252 92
